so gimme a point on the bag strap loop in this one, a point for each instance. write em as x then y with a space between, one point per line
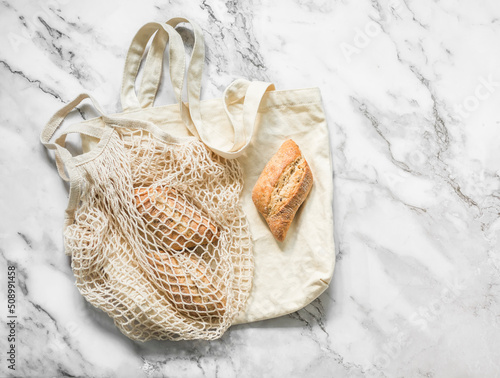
63 157
162 33
242 121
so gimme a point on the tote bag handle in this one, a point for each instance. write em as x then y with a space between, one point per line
146 95
241 118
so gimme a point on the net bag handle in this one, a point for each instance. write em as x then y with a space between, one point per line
64 159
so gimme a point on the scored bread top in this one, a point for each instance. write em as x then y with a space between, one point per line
287 185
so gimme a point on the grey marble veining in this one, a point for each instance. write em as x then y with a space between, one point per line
411 91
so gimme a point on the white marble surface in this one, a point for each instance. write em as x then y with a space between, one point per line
411 91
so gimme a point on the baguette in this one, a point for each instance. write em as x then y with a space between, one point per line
174 220
189 283
282 187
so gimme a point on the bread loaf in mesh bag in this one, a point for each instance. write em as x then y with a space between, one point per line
173 219
189 283
184 277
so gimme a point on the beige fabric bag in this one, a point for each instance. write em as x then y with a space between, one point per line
156 221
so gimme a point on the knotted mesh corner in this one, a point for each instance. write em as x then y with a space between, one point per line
160 242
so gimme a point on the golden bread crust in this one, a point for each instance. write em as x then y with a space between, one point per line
282 187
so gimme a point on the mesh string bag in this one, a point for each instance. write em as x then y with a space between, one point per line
159 241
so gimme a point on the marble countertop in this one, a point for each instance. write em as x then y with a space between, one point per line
411 91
